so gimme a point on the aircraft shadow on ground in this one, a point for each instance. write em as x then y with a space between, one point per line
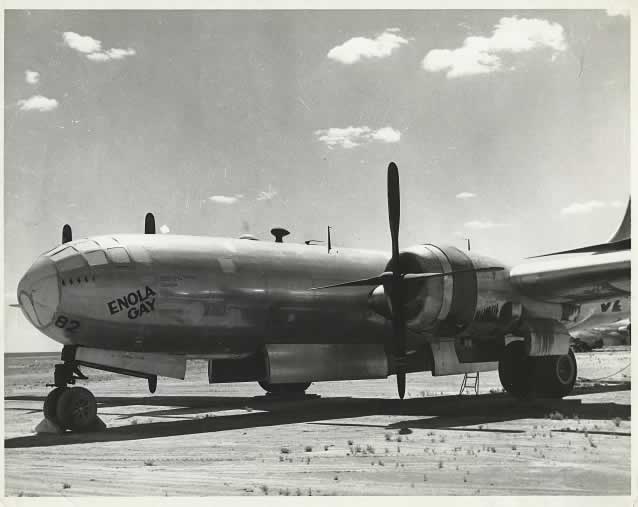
443 412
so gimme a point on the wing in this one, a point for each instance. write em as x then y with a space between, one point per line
590 273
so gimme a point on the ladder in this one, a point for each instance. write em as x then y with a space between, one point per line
470 383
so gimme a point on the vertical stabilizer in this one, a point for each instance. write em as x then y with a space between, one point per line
624 231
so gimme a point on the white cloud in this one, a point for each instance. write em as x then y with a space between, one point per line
481 224
38 103
582 208
164 229
224 199
31 76
350 137
111 54
98 57
357 48
618 11
92 48
81 43
482 55
267 195
386 135
465 195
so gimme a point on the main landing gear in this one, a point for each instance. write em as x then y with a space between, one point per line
523 376
70 408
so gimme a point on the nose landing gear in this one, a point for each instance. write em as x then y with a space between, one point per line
69 408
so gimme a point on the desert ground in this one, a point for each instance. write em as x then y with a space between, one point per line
342 438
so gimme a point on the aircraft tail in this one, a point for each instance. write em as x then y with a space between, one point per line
624 231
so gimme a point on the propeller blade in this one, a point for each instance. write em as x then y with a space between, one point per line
384 278
149 224
394 210
67 234
374 281
395 290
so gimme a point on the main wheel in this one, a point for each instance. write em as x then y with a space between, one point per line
281 389
555 376
76 409
51 402
515 370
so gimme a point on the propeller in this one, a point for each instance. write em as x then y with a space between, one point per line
67 234
396 282
149 224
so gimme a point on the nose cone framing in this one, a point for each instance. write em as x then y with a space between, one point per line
39 292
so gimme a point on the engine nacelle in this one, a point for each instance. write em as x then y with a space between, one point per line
480 304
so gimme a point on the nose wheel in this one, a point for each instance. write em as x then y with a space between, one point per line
69 408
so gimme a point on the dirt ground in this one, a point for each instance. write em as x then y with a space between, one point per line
343 438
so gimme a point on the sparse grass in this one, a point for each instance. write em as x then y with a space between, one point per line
358 449
149 463
66 485
284 450
308 448
284 492
369 449
264 489
555 415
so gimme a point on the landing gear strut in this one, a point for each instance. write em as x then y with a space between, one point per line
70 408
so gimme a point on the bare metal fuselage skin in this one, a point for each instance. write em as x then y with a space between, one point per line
224 298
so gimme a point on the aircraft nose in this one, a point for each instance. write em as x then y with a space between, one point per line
39 292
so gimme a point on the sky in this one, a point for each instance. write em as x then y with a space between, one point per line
508 127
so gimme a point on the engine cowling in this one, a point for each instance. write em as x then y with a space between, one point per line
480 303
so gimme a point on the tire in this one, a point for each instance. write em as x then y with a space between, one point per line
515 370
555 376
50 404
76 409
283 389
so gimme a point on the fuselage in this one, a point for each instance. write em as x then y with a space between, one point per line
222 297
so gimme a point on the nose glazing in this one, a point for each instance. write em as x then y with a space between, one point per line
39 292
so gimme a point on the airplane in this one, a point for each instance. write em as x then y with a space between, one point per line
286 315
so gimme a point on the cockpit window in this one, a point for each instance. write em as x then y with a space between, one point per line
86 245
96 258
118 255
68 260
63 254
